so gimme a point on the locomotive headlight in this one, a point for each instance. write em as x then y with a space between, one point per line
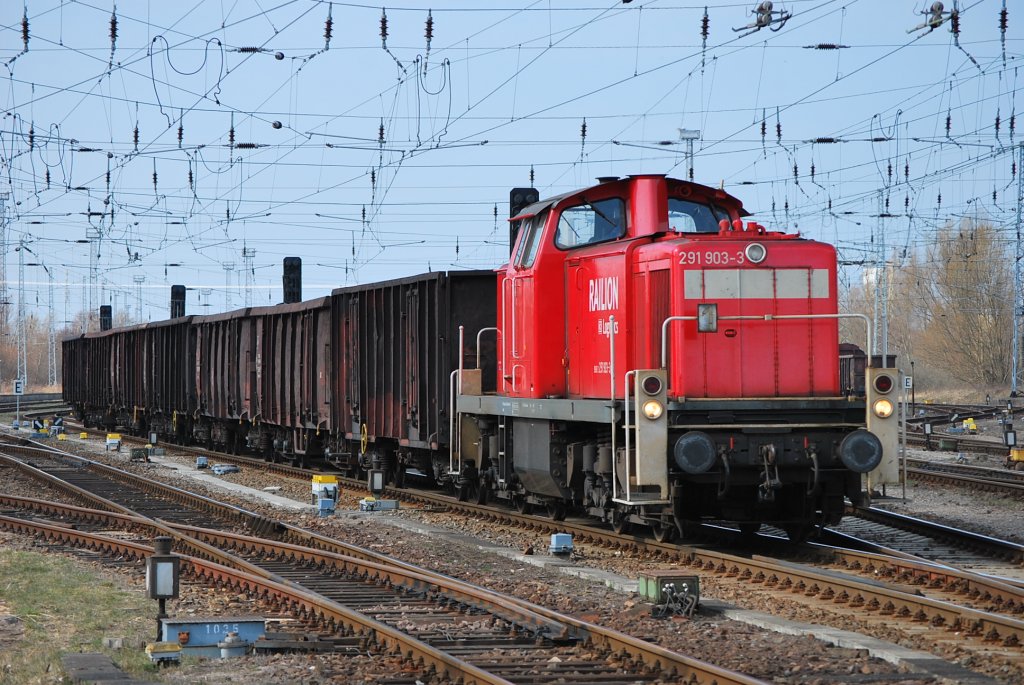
756 253
651 385
652 409
883 408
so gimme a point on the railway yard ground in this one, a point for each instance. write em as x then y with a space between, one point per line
772 636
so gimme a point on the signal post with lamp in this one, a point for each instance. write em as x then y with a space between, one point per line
883 421
162 577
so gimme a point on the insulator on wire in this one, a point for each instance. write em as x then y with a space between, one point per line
108 179
954 19
31 137
47 176
906 204
938 201
889 170
778 126
231 136
796 172
705 22
994 196
429 31
495 216
1002 30
181 133
190 179
812 170
328 27
384 28
113 31
998 122
886 204
380 133
1013 124
24 29
373 178
364 215
826 46
830 204
135 137
949 123
764 127
1013 169
154 176
531 175
456 246
906 171
583 130
785 206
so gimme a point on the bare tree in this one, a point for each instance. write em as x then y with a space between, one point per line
963 292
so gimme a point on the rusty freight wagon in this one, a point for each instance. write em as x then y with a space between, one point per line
262 380
130 377
395 345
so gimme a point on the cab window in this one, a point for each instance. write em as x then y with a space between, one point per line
591 222
686 216
532 230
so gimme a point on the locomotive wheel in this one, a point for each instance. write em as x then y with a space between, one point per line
750 528
520 503
556 510
481 493
798 532
663 532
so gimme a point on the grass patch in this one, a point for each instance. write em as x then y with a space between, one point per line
66 605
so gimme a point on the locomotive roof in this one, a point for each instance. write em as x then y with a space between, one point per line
541 205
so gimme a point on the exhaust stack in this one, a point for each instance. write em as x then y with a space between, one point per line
177 301
291 281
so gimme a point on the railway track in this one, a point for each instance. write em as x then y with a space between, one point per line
460 629
878 587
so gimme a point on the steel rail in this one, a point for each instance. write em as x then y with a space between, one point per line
380 566
252 520
310 606
1002 549
858 593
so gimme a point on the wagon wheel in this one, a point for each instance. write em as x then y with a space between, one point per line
364 438
481 493
620 521
520 503
556 510
663 532
398 476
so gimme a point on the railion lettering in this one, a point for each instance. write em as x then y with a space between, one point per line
604 294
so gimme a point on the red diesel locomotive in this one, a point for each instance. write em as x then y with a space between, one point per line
661 362
645 357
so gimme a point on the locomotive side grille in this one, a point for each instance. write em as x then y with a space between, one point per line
732 284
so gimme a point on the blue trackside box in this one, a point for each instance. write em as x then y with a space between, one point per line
561 543
199 636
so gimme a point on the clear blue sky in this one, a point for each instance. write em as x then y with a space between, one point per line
504 87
